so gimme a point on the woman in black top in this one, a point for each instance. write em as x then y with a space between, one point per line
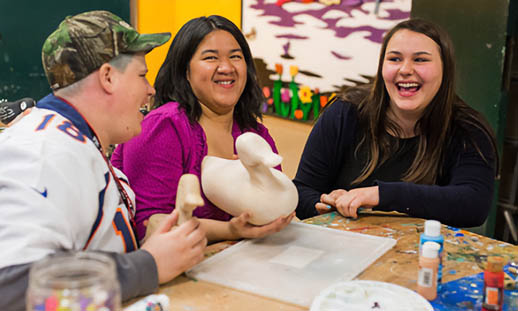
406 143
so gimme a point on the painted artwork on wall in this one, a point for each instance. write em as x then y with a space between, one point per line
307 50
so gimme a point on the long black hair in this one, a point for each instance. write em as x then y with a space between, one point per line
172 85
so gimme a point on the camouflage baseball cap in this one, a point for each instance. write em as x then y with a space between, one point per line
82 43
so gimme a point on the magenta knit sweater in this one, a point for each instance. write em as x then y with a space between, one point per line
168 147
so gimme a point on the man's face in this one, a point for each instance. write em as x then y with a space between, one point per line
132 91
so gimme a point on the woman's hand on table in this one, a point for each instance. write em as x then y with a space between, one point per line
327 201
346 202
176 249
241 228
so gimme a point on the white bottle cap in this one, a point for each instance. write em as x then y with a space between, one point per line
432 228
431 249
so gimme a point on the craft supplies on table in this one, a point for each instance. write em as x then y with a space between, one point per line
467 294
493 284
432 233
428 266
74 281
465 254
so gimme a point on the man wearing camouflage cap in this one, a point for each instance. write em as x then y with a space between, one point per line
58 190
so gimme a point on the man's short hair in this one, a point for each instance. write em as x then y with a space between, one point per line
82 43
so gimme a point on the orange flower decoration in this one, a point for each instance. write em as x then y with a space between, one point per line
266 92
281 2
278 68
323 101
298 114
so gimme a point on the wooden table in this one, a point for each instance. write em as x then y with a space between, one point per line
465 254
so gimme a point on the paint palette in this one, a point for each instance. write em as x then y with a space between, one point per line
295 264
369 295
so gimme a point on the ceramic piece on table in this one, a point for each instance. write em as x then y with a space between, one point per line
152 224
188 197
250 183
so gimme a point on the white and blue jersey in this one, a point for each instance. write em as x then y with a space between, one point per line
56 190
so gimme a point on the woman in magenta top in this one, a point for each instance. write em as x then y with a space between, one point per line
207 94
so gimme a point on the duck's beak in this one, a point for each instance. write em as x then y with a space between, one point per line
272 160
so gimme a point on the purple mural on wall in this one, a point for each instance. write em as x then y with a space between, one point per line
287 18
333 43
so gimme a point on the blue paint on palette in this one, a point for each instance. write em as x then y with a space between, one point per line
453 228
459 234
466 294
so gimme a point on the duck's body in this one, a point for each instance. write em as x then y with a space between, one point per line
250 183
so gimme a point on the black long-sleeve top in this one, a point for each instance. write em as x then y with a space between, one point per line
461 197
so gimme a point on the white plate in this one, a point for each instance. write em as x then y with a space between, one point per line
368 296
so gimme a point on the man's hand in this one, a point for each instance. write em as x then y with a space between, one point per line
176 249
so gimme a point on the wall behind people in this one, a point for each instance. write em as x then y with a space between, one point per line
170 15
24 25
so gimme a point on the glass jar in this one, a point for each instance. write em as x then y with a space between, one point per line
74 281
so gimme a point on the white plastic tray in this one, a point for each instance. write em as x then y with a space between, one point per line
293 265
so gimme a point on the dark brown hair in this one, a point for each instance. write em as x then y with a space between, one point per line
445 114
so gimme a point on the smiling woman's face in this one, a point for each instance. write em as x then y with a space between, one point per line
217 72
412 72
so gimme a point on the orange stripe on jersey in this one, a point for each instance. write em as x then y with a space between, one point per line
93 234
124 231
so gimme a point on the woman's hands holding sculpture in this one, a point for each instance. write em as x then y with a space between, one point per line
241 228
348 202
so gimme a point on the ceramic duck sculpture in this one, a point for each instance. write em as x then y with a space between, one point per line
250 183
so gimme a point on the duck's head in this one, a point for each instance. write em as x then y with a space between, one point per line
253 150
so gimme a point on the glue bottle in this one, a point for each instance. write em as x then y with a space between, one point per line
432 233
428 265
493 284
